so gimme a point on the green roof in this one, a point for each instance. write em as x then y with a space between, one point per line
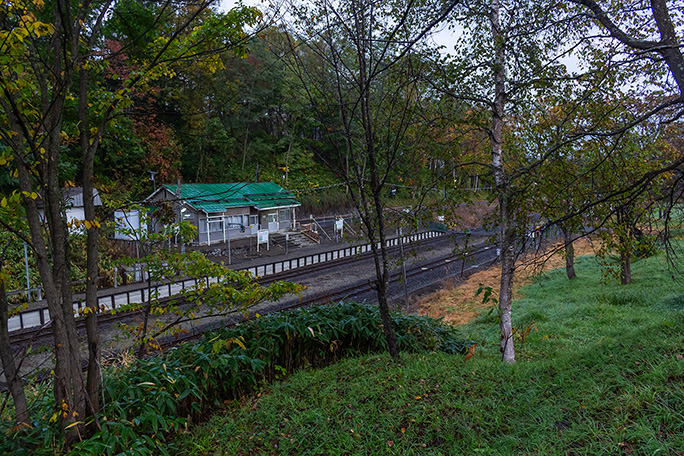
219 197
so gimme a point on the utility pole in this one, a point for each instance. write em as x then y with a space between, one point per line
152 174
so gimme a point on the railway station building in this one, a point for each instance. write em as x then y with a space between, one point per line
228 211
73 207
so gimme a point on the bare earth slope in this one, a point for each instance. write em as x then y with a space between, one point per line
459 305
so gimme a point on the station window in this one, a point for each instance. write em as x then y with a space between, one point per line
215 226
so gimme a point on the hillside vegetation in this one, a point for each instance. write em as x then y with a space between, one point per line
600 371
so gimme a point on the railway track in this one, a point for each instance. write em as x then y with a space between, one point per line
392 250
110 300
450 265
426 274
42 335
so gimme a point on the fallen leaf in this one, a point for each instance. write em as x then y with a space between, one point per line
471 352
390 443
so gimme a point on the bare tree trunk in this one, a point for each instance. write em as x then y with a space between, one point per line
51 254
94 378
625 268
40 161
201 163
507 249
569 251
142 350
383 274
381 258
88 148
9 367
68 382
65 332
506 228
382 286
625 260
287 162
69 385
244 149
623 218
70 391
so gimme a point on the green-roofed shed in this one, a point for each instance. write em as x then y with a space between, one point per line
224 211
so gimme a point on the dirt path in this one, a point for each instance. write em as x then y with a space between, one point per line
459 305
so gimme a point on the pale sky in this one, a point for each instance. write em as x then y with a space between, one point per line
445 37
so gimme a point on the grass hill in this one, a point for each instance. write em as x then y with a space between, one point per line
600 371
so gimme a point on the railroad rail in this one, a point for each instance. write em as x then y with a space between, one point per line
481 256
23 325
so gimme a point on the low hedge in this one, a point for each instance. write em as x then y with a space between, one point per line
155 397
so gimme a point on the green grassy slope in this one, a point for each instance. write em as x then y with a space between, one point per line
600 372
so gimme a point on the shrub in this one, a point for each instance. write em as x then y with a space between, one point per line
323 334
163 394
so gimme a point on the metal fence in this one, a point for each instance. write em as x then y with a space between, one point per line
113 298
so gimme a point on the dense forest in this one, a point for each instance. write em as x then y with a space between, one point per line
237 115
234 117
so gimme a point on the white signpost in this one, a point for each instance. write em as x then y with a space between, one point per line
339 228
262 238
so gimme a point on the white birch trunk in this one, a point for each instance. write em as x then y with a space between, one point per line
506 228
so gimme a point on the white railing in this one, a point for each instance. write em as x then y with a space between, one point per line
112 299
